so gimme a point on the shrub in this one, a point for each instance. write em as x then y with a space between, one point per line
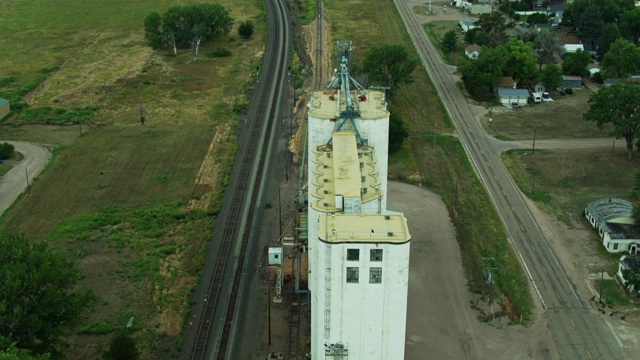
6 150
218 52
246 29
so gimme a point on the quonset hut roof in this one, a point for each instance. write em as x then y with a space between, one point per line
609 212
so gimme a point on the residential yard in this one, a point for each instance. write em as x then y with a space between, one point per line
559 119
132 203
436 30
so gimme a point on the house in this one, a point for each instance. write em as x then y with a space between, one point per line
571 43
510 97
571 48
472 51
5 108
631 263
539 88
611 81
613 219
467 24
593 69
505 82
477 9
571 81
556 10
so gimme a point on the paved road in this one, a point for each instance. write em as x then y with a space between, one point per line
577 331
14 181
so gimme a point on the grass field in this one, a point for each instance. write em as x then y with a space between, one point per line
436 30
441 169
133 204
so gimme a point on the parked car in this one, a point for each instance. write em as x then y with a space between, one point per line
545 95
569 91
560 91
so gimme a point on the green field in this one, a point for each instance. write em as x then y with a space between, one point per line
132 203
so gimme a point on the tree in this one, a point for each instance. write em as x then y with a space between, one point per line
493 21
389 65
481 75
630 25
153 30
591 25
246 29
449 42
205 22
6 150
476 36
576 63
39 301
537 18
397 132
187 26
609 35
619 105
521 63
547 45
122 347
611 9
551 76
13 353
622 59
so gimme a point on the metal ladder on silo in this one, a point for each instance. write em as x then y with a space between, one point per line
327 291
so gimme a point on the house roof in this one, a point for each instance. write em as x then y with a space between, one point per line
513 92
571 77
471 48
631 263
467 21
3 101
569 39
609 211
505 81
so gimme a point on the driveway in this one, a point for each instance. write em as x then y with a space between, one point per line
14 182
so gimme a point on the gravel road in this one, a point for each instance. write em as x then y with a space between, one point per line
14 181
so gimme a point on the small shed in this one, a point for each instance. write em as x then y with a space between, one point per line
275 256
467 24
5 108
472 51
509 96
571 81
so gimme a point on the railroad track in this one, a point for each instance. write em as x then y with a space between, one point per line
245 194
317 82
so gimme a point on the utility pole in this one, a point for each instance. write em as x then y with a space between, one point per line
601 281
490 115
613 147
533 148
435 128
26 173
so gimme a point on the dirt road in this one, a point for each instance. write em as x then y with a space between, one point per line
15 180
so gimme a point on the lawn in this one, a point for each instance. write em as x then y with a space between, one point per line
443 169
559 119
436 30
132 203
